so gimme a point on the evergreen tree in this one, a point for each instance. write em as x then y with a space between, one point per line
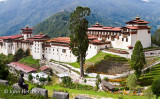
138 59
98 78
27 53
19 55
30 77
79 39
156 88
49 79
3 71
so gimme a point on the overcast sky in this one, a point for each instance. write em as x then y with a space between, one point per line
2 0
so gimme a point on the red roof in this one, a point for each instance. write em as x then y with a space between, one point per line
105 28
44 68
39 36
22 67
27 28
60 39
92 37
11 37
138 21
97 25
129 46
132 27
97 41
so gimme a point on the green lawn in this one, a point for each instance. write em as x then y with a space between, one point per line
72 93
97 58
150 76
7 95
92 60
149 48
29 61
93 94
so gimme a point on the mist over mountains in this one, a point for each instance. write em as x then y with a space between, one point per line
16 14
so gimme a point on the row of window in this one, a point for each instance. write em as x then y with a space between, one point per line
112 39
106 33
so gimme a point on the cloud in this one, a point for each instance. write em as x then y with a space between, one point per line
2 0
146 0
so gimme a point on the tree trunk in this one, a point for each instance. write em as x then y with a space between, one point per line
81 66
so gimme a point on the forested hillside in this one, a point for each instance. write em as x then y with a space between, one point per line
16 14
58 24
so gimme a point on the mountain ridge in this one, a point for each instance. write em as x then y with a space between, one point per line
16 14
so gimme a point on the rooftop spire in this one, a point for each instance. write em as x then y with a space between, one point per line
97 23
41 33
137 18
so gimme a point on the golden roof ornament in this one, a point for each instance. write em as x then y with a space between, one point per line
137 18
26 26
97 23
41 33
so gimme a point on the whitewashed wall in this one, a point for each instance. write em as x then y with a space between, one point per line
143 36
36 50
118 43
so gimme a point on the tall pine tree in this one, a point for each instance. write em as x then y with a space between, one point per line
79 39
138 59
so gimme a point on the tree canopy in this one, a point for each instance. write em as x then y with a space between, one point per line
138 59
156 38
79 39
18 55
131 81
156 88
3 71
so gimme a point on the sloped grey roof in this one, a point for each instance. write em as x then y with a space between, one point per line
108 85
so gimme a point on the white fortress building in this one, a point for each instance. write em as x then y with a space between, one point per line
100 37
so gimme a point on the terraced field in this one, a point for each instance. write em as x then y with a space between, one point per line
150 76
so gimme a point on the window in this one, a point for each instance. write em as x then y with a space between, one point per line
46 48
64 50
126 39
53 49
112 38
90 47
122 39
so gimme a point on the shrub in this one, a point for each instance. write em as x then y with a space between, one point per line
131 81
156 88
85 80
106 79
148 93
30 77
66 82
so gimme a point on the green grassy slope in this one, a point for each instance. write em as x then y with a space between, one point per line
29 61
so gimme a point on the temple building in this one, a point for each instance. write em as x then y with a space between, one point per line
123 37
100 37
